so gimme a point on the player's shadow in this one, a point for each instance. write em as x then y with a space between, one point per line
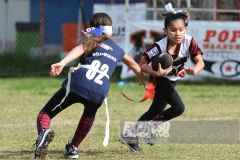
57 154
109 152
24 154
29 154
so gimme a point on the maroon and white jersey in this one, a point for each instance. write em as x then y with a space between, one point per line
188 47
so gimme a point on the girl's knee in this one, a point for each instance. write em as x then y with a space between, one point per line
180 110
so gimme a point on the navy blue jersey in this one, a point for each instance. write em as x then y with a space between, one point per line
90 84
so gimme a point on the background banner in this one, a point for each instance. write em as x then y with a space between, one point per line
219 41
117 13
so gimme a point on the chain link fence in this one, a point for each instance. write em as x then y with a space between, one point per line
53 26
41 28
33 32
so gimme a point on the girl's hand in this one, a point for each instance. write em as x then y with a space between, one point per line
143 83
163 72
56 69
189 71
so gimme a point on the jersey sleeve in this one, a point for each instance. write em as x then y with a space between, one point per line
151 52
121 54
194 49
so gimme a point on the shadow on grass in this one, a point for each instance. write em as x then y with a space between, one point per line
57 154
108 152
24 154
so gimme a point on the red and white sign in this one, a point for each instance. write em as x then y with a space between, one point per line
219 41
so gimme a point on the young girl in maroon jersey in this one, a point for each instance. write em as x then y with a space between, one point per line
180 46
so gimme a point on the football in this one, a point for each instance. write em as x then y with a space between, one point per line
164 59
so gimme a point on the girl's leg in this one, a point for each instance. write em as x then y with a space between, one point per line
176 109
47 113
85 123
157 106
166 90
46 135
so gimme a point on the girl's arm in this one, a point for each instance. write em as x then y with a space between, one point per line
147 69
127 60
197 68
76 52
73 54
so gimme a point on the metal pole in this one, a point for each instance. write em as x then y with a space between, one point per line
5 27
188 8
80 20
41 23
155 12
126 21
178 3
214 7
127 9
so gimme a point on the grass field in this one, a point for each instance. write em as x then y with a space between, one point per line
22 98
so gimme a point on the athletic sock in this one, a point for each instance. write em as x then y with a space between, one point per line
43 122
82 130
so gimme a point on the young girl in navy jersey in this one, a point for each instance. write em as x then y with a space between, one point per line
88 83
180 46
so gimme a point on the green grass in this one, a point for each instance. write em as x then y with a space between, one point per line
21 99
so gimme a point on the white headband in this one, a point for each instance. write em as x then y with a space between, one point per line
107 29
98 31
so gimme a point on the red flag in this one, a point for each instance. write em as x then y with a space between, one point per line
149 92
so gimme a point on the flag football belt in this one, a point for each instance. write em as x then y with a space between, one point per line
71 70
149 93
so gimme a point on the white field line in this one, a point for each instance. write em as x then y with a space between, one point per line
116 122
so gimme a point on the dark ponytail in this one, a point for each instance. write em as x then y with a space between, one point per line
91 43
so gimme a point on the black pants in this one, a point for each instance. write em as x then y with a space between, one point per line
90 108
165 93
